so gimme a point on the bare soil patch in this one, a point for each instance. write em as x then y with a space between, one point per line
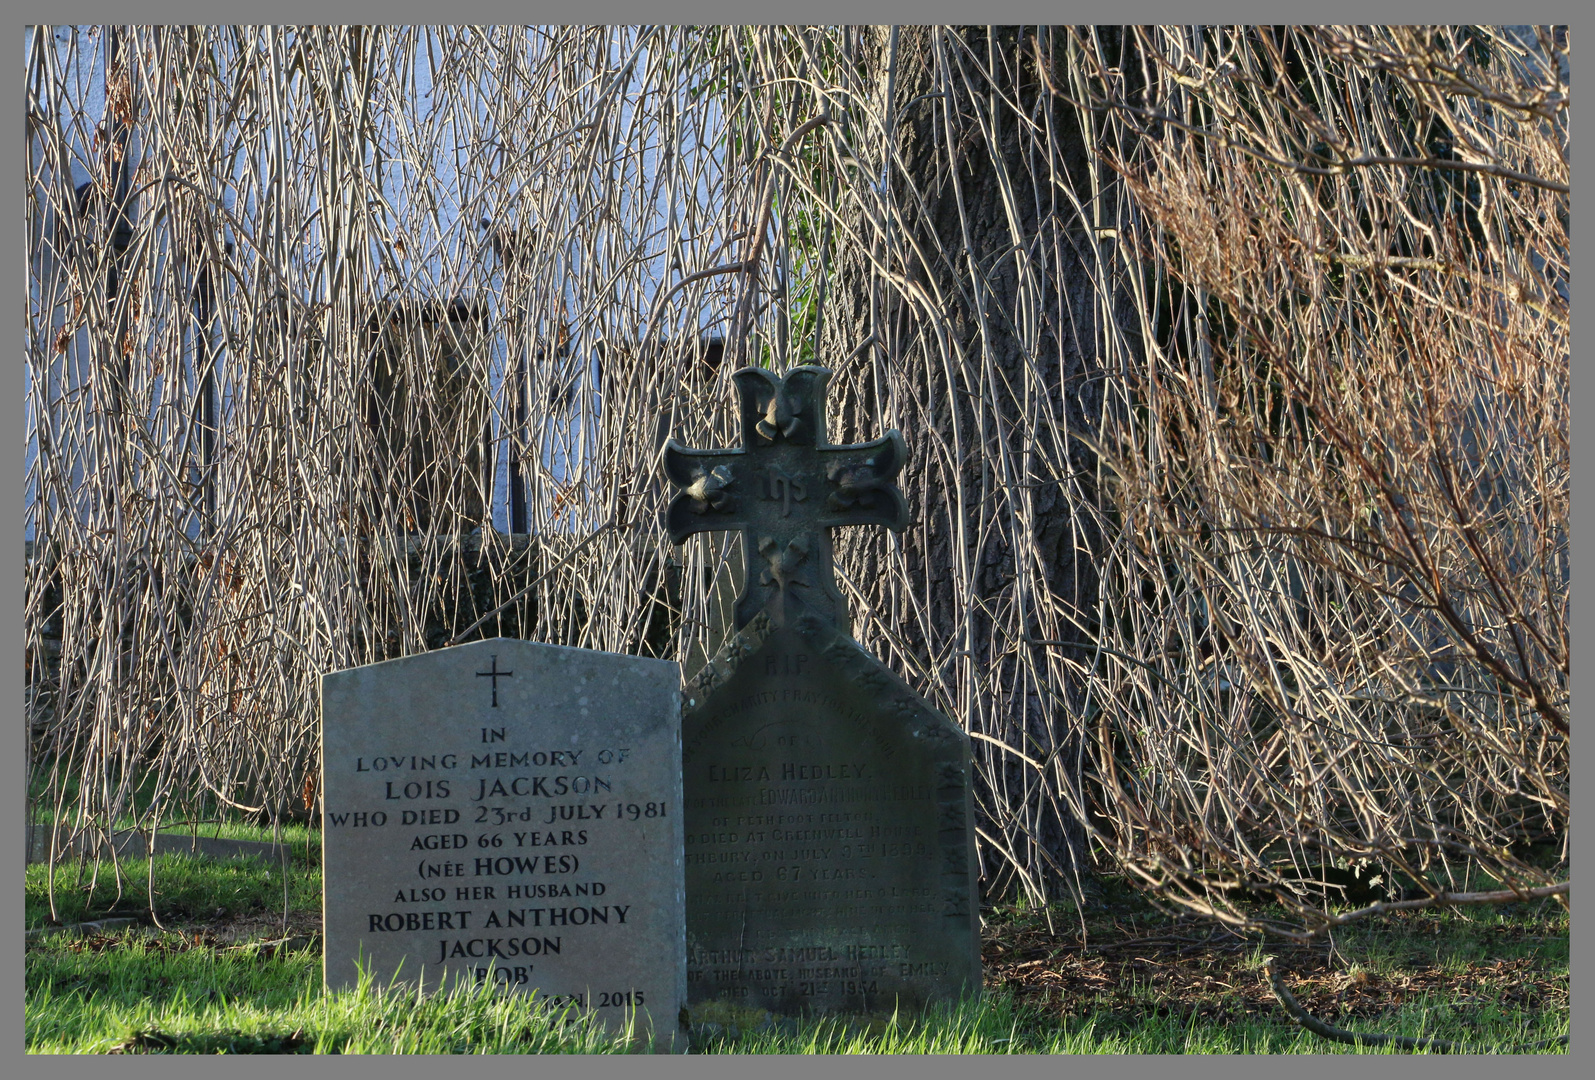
1184 968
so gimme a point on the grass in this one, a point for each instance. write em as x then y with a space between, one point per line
1493 978
1121 978
295 834
186 890
208 820
129 993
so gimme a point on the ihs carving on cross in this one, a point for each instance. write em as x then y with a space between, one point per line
785 490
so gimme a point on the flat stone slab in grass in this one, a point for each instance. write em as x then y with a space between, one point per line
509 810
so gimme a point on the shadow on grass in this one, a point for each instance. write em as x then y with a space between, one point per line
140 997
227 1042
185 889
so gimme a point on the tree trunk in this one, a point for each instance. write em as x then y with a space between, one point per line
983 326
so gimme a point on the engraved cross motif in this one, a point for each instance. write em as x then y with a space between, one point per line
785 489
495 674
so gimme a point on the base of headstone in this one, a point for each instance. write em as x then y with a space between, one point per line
830 858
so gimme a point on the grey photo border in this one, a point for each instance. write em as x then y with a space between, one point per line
177 11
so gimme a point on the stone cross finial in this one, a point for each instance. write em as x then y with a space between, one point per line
786 489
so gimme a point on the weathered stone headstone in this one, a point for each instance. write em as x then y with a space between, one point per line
829 835
511 811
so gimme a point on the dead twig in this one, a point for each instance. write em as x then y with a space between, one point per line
1362 1039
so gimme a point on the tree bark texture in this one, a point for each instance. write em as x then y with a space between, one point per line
979 314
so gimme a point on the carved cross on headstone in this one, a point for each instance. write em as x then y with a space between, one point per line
785 490
495 674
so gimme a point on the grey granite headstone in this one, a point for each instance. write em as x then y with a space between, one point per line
829 822
509 811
